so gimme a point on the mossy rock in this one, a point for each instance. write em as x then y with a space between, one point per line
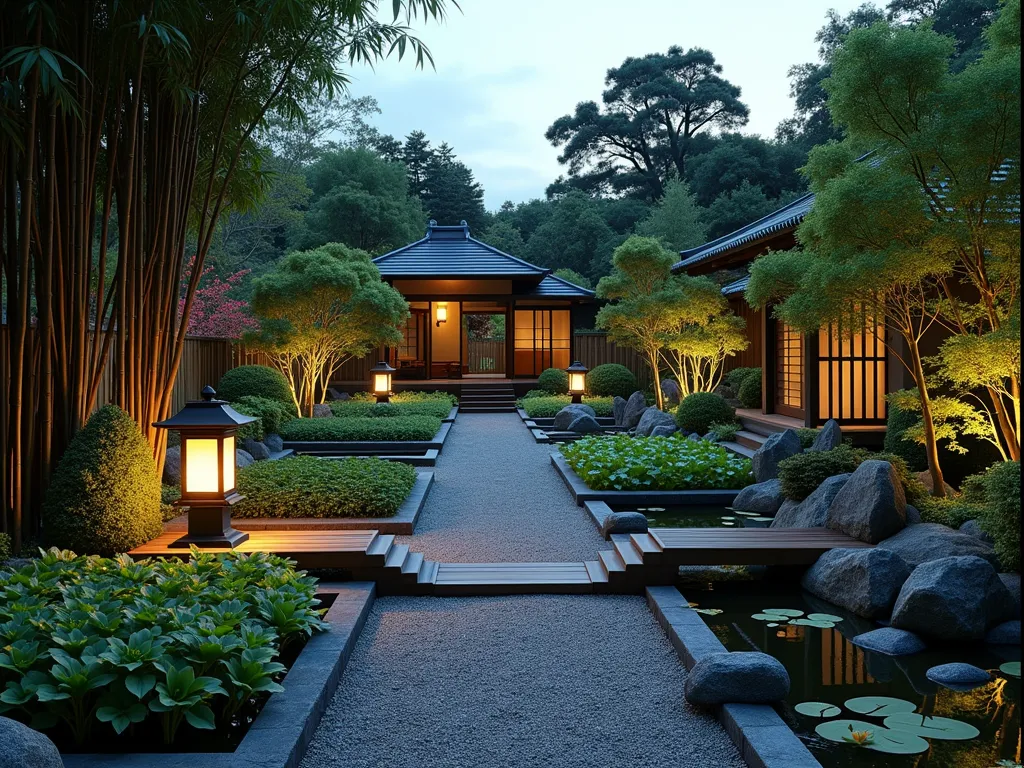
104 497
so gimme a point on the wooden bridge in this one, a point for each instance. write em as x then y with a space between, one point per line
634 561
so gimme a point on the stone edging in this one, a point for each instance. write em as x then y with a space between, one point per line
451 414
402 523
582 492
369 447
280 734
762 737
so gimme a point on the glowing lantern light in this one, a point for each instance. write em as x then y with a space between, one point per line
577 380
441 313
381 381
208 428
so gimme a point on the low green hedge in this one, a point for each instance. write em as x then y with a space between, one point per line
438 404
272 414
92 647
624 463
360 429
553 380
254 429
800 475
306 486
700 410
547 407
611 379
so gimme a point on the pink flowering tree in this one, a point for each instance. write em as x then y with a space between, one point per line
213 312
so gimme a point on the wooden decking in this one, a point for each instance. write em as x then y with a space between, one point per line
635 560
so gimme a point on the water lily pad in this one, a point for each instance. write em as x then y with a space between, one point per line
817 709
783 611
1011 668
726 522
762 519
944 728
882 739
709 611
767 617
880 706
824 617
772 624
746 514
655 509
728 517
813 623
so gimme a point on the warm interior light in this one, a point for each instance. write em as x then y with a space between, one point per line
381 383
442 313
577 382
201 475
229 464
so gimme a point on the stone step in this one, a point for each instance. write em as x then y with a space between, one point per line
611 563
750 439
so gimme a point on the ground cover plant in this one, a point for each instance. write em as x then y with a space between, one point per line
92 647
624 463
546 407
307 486
364 404
362 428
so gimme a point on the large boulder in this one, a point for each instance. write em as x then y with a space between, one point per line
257 450
618 409
172 466
925 542
322 411
952 599
666 430
863 581
830 436
670 391
871 506
569 414
274 443
1012 582
635 407
737 678
243 458
22 747
971 528
913 515
777 447
890 641
1007 633
624 522
584 425
812 512
652 418
764 498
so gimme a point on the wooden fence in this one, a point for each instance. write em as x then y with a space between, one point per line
486 355
593 349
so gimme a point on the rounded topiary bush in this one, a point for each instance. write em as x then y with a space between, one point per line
735 377
553 380
104 497
611 379
749 393
259 380
700 410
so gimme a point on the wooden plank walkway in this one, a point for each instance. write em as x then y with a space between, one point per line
635 560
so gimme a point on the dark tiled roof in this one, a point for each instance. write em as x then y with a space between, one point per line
785 218
739 286
450 251
556 287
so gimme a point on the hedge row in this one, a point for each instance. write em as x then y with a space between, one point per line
362 429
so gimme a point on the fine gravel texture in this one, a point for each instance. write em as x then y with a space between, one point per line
497 498
555 681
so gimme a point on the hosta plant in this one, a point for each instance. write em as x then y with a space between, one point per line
624 463
99 646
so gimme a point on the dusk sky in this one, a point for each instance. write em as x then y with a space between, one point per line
506 71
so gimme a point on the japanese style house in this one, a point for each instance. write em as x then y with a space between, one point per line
840 373
449 276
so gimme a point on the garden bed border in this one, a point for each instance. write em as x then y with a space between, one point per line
761 735
370 447
283 729
402 523
583 493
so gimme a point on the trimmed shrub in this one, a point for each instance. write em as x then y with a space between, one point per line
5 547
800 475
259 380
807 436
611 379
104 497
553 380
725 433
626 463
437 404
735 377
535 393
700 410
346 428
1001 516
952 512
306 486
253 430
272 413
749 392
546 407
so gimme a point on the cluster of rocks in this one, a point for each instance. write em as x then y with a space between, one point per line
926 582
249 452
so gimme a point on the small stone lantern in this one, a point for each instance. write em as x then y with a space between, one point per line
380 381
577 380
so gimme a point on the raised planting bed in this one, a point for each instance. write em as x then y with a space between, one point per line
547 407
438 404
281 732
622 465
402 523
371 447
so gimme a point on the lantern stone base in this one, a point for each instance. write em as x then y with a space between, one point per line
210 527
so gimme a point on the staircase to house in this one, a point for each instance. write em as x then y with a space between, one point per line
487 398
758 427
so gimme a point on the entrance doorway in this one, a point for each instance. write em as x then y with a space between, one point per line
485 342
789 371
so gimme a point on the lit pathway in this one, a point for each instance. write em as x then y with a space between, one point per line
539 681
496 498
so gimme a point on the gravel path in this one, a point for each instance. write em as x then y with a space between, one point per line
547 681
496 498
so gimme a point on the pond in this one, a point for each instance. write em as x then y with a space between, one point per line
832 678
696 516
